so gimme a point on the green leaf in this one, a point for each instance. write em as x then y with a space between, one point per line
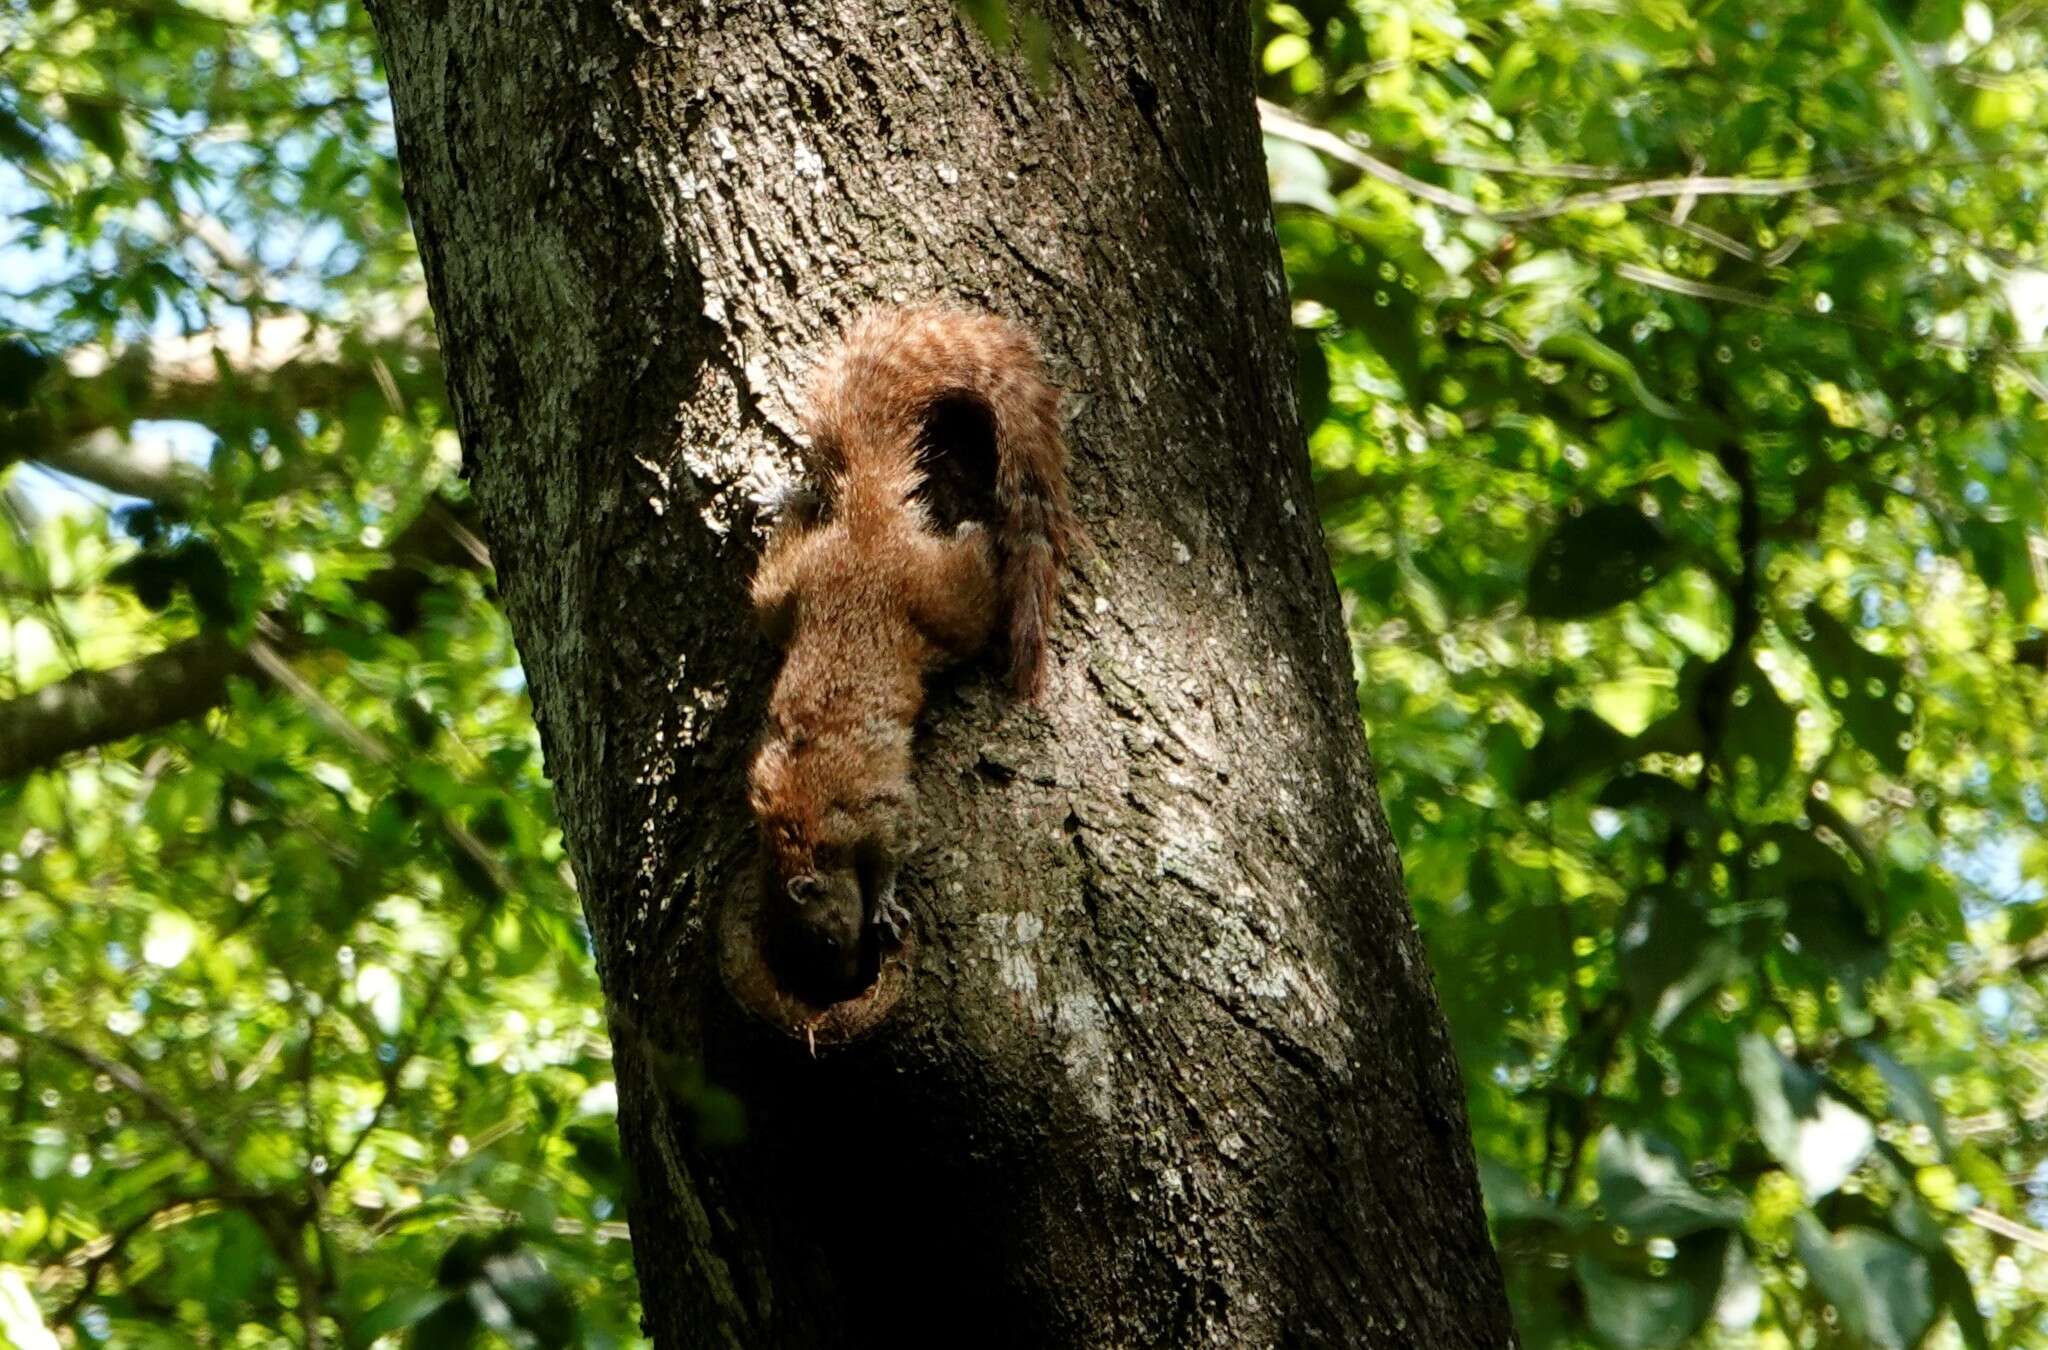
1367 285
19 142
395 1314
1669 955
1297 176
598 1157
2025 922
1818 1139
1579 345
99 124
1801 855
451 1326
1646 1188
1640 1312
1829 892
1511 1198
1881 1287
1576 744
1952 1286
1911 1100
1667 797
1874 18
533 1299
2003 558
1864 686
1311 378
1759 732
22 368
1595 560
1285 51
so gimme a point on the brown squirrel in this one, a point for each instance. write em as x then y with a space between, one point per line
881 574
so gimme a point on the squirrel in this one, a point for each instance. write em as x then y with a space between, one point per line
868 592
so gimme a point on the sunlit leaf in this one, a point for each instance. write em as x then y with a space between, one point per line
1646 1188
1818 1139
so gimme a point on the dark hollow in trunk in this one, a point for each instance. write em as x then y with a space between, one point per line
1166 1067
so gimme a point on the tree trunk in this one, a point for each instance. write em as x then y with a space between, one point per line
1163 1065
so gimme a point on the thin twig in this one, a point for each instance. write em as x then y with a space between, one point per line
1585 173
1994 1222
272 662
101 1251
1706 234
391 1072
1277 121
1729 295
154 1103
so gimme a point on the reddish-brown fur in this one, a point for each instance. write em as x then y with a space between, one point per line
870 598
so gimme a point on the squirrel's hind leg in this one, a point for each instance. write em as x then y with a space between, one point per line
951 589
780 574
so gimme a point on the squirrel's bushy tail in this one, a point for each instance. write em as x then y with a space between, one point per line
868 411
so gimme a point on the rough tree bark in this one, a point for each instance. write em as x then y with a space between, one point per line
1166 1068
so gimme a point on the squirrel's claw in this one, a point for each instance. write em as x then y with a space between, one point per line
890 916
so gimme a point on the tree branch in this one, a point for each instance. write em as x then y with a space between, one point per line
130 465
154 1103
101 1251
280 365
1278 122
279 1219
96 707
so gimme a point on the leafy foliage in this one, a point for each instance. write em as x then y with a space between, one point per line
1682 456
1679 383
300 1040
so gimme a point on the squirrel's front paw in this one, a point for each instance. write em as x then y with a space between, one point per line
891 918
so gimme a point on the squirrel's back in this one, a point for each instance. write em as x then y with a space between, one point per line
871 407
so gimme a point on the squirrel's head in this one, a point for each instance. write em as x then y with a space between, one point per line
831 829
824 929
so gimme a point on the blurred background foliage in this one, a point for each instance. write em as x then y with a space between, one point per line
1678 378
1681 405
300 1038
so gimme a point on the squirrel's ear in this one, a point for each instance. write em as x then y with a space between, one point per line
802 889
